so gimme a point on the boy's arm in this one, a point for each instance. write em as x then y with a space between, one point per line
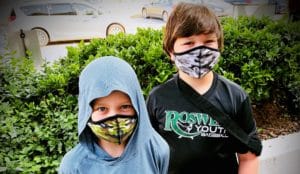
248 163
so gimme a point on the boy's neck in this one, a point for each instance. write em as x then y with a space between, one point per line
113 149
201 85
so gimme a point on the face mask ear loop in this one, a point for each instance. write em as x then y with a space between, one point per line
119 133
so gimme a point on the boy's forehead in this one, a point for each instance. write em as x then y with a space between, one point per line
114 96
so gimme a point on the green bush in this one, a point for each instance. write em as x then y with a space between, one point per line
39 109
271 50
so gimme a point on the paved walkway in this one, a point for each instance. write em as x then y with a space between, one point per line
281 155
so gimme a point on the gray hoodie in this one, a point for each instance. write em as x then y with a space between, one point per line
146 152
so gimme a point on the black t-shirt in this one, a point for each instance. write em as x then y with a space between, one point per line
198 143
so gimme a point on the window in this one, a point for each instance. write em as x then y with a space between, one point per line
83 9
61 9
35 10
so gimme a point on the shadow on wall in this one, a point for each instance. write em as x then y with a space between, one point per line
259 8
4 12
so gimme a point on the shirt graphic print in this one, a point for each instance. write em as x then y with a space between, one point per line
190 125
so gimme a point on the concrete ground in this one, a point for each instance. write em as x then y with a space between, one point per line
281 155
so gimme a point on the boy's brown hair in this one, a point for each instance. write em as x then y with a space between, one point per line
189 19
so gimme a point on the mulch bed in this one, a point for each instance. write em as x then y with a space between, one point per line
273 120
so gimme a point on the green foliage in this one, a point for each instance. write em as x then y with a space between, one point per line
38 110
36 129
264 57
256 80
17 79
142 50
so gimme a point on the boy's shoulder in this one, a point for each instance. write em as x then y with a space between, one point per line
225 81
164 87
72 159
229 86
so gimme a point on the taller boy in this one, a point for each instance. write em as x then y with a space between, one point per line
200 144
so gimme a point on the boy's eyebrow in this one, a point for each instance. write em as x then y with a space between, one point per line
126 103
212 36
98 104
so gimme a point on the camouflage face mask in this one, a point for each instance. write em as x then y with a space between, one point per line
115 129
197 61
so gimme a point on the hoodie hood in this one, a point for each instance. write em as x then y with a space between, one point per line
98 79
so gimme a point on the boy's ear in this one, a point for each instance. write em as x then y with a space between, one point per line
172 57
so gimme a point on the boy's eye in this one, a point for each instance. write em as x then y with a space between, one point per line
101 109
211 41
126 107
187 43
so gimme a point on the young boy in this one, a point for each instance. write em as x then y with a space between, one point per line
198 143
115 133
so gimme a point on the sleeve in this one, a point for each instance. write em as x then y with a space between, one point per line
161 149
248 124
164 164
